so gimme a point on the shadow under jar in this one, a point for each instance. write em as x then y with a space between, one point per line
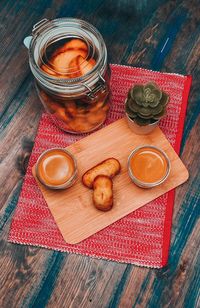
68 59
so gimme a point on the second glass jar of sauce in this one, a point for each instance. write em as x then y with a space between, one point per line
68 59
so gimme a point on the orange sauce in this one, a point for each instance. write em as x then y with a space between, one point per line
56 167
148 165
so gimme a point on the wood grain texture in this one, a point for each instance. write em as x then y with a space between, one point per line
135 33
82 220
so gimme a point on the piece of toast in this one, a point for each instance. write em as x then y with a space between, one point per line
109 167
103 193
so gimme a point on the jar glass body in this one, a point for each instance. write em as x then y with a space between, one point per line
79 104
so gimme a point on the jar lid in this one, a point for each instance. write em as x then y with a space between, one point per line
67 40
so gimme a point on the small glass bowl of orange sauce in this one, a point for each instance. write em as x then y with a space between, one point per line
56 168
148 166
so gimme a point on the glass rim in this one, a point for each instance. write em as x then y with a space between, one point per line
47 32
146 184
69 182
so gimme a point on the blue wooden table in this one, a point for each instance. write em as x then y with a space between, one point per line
160 35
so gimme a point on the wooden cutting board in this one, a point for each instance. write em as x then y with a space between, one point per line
73 210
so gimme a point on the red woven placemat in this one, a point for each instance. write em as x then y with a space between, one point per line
142 237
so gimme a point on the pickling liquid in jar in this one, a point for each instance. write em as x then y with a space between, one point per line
72 74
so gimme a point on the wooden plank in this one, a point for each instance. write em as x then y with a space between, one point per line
23 265
20 108
82 220
90 282
13 53
173 282
14 130
183 254
132 31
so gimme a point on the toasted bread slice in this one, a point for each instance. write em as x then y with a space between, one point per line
103 193
109 167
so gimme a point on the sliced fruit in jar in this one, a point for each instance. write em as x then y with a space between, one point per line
74 68
54 107
96 106
96 118
73 44
69 60
76 44
79 66
85 66
80 125
105 108
61 61
71 109
48 70
60 114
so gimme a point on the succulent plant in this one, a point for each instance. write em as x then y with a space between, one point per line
146 104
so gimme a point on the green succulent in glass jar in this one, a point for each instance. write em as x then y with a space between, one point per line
146 104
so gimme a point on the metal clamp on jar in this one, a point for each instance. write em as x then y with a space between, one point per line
68 59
